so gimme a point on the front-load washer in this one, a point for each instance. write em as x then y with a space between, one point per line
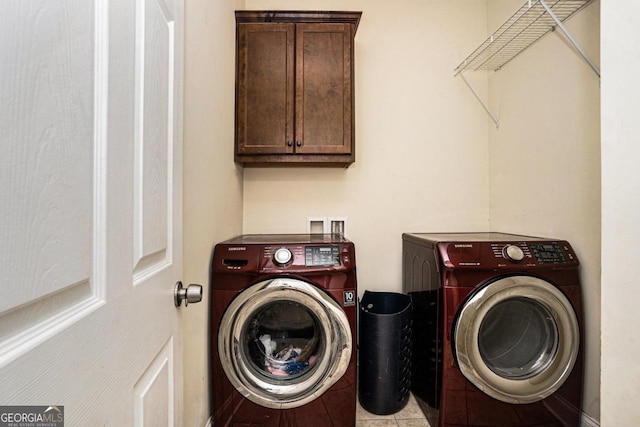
497 329
283 331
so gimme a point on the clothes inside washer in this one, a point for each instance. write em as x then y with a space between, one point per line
288 360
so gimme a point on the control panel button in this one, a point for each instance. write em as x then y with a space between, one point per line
282 256
513 253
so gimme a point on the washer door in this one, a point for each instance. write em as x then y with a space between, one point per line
283 342
517 339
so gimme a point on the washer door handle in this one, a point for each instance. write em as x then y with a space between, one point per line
192 293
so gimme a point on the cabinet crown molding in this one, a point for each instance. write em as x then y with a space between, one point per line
308 16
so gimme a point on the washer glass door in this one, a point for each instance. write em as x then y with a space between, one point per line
283 342
517 339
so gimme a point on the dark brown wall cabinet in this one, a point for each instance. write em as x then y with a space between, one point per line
294 87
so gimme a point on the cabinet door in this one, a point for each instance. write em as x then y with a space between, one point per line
264 104
324 92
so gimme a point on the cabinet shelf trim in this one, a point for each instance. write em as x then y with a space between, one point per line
299 16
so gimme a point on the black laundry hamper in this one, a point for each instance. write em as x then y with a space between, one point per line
384 369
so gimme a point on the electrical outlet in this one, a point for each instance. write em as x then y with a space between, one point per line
316 225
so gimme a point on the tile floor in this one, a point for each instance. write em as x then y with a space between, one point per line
409 416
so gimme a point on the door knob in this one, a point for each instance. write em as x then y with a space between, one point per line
192 293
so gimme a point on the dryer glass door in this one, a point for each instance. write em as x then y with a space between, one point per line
283 342
517 339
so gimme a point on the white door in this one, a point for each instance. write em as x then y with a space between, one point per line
90 209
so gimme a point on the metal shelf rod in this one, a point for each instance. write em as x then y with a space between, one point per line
484 104
569 37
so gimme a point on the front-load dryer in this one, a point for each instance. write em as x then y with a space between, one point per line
497 329
283 330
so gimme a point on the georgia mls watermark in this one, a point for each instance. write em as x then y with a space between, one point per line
32 416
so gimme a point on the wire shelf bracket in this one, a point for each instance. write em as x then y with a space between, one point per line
479 98
531 22
569 37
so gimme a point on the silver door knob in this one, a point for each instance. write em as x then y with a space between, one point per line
192 293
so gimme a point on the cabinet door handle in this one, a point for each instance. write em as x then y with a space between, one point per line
299 143
289 144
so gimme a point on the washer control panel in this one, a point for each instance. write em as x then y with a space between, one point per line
322 256
295 257
290 254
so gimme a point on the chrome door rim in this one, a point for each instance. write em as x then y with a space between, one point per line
331 365
556 370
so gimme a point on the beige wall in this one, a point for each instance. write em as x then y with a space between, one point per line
421 141
427 156
212 182
620 205
545 157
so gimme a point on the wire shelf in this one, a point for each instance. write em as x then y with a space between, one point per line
530 23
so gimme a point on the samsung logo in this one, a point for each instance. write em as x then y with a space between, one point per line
465 245
237 248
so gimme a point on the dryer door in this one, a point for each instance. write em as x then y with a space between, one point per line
283 342
517 339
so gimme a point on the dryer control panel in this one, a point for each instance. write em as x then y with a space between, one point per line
549 253
499 255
